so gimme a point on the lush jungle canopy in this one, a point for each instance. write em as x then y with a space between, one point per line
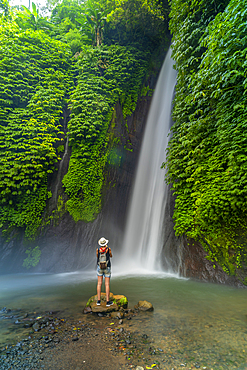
207 155
61 77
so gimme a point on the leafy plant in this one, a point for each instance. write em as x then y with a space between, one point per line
33 87
107 75
33 257
207 151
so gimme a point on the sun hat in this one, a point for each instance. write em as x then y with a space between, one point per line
102 242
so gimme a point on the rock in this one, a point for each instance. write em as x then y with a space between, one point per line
36 326
4 310
119 302
27 325
87 310
94 298
120 322
117 315
139 368
144 306
102 308
23 316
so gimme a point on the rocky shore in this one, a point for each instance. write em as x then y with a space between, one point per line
116 340
94 341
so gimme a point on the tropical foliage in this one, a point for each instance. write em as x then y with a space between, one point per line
107 75
207 155
49 65
35 81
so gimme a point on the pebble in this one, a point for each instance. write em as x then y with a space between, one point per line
172 351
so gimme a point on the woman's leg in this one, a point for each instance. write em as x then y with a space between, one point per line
100 279
107 288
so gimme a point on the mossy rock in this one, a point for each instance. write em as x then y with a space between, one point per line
119 301
144 306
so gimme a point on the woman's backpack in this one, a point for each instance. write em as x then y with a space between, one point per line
103 260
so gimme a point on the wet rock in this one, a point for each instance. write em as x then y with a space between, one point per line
87 310
102 308
36 326
23 316
28 325
144 306
119 302
117 315
5 310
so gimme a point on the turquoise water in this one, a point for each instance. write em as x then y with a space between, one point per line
193 322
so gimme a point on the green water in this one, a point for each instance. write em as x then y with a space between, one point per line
192 322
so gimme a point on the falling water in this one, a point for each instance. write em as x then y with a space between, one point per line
144 233
59 175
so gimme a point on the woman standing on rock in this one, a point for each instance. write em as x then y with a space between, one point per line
103 269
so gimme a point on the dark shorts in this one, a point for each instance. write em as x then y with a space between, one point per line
106 272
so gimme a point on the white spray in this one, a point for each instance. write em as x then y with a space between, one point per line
142 245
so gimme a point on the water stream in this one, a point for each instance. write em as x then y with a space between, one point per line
60 168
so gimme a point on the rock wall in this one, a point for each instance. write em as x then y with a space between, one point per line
188 258
195 265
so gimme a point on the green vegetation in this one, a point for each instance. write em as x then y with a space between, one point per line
33 257
107 75
85 57
207 154
34 82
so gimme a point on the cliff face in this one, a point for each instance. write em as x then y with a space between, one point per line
69 246
195 265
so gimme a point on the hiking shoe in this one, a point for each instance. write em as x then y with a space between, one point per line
109 303
98 303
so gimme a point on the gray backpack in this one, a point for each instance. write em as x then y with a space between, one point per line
102 260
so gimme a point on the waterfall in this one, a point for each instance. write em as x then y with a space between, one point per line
60 168
144 234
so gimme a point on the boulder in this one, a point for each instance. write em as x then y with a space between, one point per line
102 308
119 302
144 306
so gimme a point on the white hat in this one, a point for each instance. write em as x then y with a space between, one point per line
102 242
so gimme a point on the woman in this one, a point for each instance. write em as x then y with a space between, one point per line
103 269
